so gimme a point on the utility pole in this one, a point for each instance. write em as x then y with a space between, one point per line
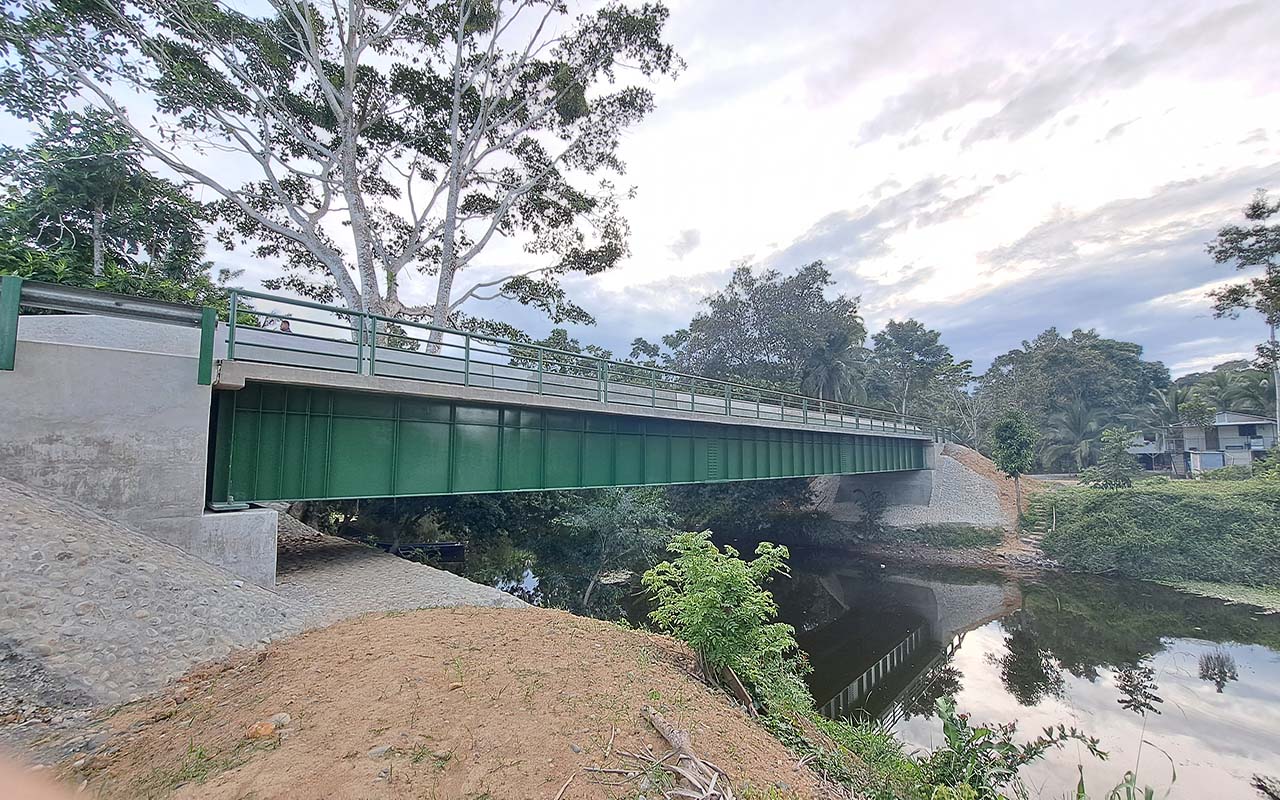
1275 377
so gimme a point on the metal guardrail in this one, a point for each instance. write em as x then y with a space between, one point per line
16 293
357 342
362 343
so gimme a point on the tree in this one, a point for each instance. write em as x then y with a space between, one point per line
1046 376
1073 433
1250 247
1013 450
1116 466
770 329
909 362
79 208
387 141
621 527
1196 413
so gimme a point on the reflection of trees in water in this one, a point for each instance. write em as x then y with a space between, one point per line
1138 687
943 680
1218 668
1028 670
1094 623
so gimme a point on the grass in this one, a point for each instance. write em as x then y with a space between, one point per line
950 535
1264 597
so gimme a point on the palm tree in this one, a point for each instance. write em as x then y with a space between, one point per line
1073 434
1221 389
833 371
1255 394
1163 405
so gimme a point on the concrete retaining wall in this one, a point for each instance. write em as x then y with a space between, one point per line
107 412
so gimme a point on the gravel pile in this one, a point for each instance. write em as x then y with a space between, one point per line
960 496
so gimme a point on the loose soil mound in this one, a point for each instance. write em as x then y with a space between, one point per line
437 703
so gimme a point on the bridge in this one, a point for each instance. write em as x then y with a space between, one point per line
294 400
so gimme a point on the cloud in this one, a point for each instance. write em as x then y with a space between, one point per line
685 243
844 238
1031 87
1167 214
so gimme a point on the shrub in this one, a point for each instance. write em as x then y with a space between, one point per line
1222 531
1234 472
716 603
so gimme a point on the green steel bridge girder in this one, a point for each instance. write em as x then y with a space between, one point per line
280 442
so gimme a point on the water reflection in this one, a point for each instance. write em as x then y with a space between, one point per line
1165 679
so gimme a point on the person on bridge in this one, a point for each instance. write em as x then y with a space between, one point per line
284 326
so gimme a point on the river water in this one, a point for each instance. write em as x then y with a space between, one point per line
1165 680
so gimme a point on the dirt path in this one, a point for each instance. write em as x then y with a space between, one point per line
442 703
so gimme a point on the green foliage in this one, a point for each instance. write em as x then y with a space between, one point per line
773 504
1013 443
1116 468
1246 247
1225 531
619 529
1196 413
521 149
1091 378
716 603
949 535
80 209
772 329
1232 472
910 366
987 758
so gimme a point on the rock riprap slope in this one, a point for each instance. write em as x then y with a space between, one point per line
108 615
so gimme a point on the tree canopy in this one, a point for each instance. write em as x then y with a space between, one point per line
773 329
79 207
387 143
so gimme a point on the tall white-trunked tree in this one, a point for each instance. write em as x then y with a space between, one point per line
386 142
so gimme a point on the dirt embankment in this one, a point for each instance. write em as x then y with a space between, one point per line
493 703
1005 488
1012 555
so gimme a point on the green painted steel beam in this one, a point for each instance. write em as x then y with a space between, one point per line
208 330
275 442
10 301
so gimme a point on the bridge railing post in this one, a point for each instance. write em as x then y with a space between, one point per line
728 400
373 346
539 371
466 359
10 301
233 311
360 342
208 331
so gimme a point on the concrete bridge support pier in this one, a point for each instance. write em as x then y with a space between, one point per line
107 412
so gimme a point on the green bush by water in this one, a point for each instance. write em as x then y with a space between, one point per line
1223 531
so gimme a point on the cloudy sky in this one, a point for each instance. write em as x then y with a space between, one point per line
990 168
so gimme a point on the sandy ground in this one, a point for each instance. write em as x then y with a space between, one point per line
441 703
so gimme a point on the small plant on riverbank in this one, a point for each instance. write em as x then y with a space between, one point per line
716 603
986 758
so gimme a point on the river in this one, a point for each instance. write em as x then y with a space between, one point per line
1165 680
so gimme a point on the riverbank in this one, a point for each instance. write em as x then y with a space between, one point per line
438 703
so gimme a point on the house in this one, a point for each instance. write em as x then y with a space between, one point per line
1233 438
